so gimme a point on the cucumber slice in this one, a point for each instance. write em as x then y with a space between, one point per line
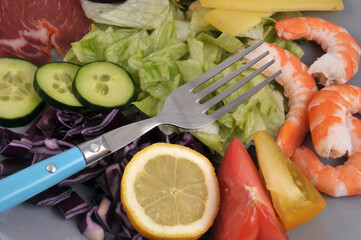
53 82
19 103
104 85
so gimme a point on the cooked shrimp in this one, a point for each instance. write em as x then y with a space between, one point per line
298 86
341 61
330 112
335 132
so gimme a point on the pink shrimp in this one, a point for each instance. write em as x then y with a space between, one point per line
298 86
335 132
341 61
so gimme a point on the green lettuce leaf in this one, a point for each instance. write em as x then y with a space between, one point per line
266 31
165 35
197 13
183 29
159 62
143 14
270 33
114 50
263 111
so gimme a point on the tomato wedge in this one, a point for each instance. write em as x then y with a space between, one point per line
245 211
293 196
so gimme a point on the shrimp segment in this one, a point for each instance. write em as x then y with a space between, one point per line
330 114
335 132
298 86
342 58
342 180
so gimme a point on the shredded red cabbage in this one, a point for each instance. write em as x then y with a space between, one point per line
83 176
51 196
73 206
89 228
113 176
59 130
107 217
12 165
15 149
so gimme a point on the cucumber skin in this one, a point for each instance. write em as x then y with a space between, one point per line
48 99
22 121
102 108
52 101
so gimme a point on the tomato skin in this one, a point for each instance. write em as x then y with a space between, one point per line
294 197
245 210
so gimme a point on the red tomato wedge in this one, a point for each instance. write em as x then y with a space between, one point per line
246 210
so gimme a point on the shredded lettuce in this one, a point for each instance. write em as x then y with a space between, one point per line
197 13
160 61
264 111
183 29
255 32
132 13
266 31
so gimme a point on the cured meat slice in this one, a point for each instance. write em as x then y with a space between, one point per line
29 28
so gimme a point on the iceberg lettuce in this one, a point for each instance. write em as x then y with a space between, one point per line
160 62
142 14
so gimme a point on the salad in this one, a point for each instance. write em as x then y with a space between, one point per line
180 48
169 49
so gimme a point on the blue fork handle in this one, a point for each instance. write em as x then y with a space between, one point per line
26 183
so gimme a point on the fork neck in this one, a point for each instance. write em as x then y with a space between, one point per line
101 146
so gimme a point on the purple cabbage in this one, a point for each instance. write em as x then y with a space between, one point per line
48 122
113 177
107 217
120 238
69 119
73 206
6 136
103 185
111 121
102 212
39 156
16 149
51 196
10 165
89 228
128 229
11 146
59 130
83 176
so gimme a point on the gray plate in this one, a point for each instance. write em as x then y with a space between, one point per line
340 220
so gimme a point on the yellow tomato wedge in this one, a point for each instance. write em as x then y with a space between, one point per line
294 197
275 5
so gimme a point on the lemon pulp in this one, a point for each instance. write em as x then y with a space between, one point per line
171 190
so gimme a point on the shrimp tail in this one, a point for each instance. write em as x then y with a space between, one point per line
343 180
324 177
342 58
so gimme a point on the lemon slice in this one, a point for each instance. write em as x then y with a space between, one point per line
170 192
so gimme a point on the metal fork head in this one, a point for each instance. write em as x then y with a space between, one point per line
183 108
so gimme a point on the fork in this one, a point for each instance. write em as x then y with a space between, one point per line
183 108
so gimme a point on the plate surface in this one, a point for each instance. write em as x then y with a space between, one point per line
340 220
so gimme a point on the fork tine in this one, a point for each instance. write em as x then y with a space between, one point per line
216 99
204 92
220 67
239 100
